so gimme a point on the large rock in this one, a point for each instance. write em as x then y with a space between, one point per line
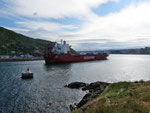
76 85
84 100
96 85
95 90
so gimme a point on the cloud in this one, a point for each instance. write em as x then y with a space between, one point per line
53 9
44 25
120 29
37 25
130 23
124 27
43 29
17 29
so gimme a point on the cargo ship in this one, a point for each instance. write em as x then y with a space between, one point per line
61 53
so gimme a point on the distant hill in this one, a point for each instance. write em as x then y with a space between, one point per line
12 41
145 50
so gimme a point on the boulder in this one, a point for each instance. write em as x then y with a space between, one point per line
96 85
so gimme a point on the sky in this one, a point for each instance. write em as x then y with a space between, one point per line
84 24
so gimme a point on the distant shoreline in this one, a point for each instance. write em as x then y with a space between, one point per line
21 59
126 54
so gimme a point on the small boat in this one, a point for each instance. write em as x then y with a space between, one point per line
27 75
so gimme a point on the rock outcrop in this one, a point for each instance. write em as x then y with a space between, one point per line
94 90
76 85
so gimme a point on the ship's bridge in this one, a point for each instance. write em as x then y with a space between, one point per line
61 48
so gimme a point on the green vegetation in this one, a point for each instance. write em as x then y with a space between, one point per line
11 41
122 97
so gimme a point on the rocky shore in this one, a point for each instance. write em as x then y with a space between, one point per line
120 97
93 90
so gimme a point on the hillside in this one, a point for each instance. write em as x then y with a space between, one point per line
12 41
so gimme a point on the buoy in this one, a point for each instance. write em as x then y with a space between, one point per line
27 75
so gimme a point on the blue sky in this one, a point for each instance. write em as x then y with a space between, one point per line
85 24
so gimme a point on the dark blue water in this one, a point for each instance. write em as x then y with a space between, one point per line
45 93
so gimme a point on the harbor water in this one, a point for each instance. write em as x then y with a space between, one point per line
45 93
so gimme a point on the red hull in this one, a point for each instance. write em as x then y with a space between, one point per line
74 58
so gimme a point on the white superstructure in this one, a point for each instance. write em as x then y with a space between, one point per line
61 48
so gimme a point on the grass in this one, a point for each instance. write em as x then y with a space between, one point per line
122 97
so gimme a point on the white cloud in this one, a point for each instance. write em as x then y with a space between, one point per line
130 23
39 25
50 26
124 27
17 29
43 29
53 8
